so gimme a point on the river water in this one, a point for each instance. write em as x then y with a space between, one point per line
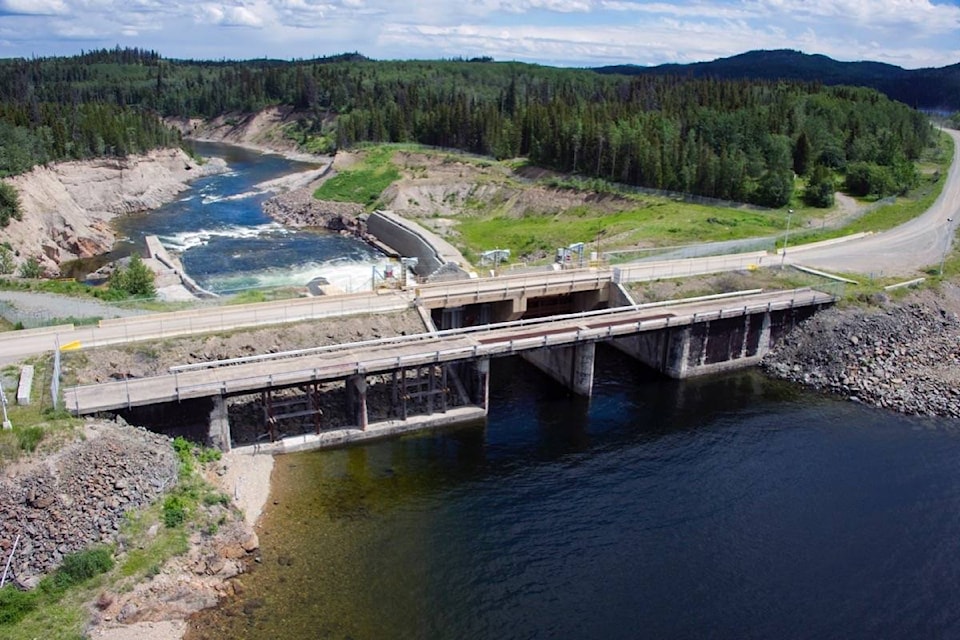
727 507
226 242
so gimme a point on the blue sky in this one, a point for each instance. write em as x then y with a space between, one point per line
909 33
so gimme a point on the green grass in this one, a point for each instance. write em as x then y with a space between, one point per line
660 221
263 295
653 222
364 182
36 426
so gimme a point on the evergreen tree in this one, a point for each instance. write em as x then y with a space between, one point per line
820 188
134 280
9 204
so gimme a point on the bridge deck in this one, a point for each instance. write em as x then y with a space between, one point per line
248 375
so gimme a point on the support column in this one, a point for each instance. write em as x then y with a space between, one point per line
570 366
482 392
746 335
219 432
666 350
763 344
677 358
702 360
357 400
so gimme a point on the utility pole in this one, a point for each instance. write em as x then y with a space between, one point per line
3 401
786 238
946 244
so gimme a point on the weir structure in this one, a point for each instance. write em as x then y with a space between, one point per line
353 392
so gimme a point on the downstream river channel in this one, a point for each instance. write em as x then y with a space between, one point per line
728 507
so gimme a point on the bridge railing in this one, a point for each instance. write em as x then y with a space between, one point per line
189 382
422 337
178 323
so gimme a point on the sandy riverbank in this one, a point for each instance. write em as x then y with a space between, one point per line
244 476
247 479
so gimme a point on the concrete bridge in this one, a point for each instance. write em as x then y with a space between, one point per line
442 377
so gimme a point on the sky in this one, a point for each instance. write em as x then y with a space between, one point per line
568 33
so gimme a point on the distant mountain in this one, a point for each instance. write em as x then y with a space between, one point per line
929 89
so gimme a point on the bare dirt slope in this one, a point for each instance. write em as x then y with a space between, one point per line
263 130
436 188
67 206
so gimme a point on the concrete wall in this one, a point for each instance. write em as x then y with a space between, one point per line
705 348
437 258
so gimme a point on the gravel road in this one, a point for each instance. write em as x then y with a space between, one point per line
37 309
903 250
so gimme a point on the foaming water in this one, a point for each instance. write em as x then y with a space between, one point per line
731 507
227 243
185 240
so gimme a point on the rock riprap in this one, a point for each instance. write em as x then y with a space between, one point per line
78 496
902 357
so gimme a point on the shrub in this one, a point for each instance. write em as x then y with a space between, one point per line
83 565
77 568
208 454
31 268
9 204
211 499
174 512
135 280
7 265
15 604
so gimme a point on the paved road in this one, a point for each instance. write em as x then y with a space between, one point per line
901 251
15 345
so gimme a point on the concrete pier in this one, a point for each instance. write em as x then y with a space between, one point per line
570 366
219 434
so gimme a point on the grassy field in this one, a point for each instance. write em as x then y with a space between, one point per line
654 222
363 183
651 221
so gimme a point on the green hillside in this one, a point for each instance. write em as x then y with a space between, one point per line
730 139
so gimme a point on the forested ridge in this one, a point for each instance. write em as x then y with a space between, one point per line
934 89
737 140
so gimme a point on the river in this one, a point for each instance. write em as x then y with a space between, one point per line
733 506
728 507
226 242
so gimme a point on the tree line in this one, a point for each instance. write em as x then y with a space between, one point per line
734 140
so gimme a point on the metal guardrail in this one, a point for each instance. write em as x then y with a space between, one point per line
423 337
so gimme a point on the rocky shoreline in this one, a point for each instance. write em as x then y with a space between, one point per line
298 208
899 356
78 496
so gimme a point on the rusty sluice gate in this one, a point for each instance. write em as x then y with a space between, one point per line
282 407
317 407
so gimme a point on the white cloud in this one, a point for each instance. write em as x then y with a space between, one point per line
911 33
231 15
34 7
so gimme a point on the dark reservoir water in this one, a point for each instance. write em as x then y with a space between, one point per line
730 507
227 243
